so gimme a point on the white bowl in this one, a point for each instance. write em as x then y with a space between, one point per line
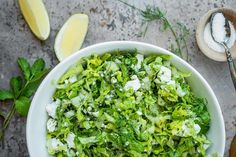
37 116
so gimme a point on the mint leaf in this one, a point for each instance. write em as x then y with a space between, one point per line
16 84
21 90
38 66
5 94
31 88
25 67
40 75
33 84
22 105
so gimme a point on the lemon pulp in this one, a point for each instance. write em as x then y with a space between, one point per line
71 36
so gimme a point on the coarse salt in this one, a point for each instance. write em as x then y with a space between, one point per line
218 33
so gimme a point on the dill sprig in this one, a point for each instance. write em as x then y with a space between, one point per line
179 31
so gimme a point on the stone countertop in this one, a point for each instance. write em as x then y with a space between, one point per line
109 20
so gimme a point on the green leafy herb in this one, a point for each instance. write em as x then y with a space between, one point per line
22 89
16 83
5 94
22 105
37 67
178 30
25 67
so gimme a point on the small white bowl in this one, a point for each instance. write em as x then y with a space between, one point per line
37 116
230 14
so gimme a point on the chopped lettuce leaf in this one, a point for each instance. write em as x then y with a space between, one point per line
126 104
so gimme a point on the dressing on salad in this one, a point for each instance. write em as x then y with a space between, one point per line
126 104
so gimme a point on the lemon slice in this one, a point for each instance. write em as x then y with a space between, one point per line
71 36
36 16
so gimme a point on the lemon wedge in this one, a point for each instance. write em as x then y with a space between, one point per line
71 36
36 16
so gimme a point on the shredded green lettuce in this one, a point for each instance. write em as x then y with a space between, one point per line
126 104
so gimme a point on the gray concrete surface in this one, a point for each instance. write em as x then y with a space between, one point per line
109 20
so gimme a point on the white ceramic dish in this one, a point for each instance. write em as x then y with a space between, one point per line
37 116
221 57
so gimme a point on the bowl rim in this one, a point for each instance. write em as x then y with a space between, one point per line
120 43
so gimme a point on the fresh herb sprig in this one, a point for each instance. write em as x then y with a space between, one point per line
179 31
21 90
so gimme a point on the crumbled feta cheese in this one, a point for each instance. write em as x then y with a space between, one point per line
146 80
85 111
148 69
140 60
197 128
113 80
65 124
180 91
66 81
108 97
77 100
51 125
189 128
139 113
103 125
111 66
70 140
135 84
171 82
69 113
134 77
102 75
164 74
95 114
185 129
117 61
72 79
89 108
146 84
51 108
54 145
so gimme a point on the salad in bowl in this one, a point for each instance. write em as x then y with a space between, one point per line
127 102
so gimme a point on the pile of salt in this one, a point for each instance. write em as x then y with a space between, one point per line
219 33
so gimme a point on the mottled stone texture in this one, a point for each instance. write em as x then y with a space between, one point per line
109 20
